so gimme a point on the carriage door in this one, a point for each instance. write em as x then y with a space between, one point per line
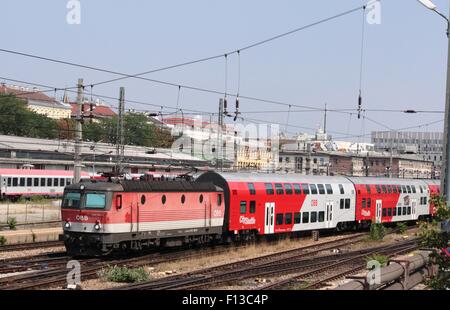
207 206
134 215
329 217
269 224
379 207
414 208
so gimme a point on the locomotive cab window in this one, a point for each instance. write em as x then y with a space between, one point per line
71 200
269 188
251 188
95 201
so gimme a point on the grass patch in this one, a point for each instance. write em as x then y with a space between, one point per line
12 223
402 227
380 258
2 240
377 232
124 274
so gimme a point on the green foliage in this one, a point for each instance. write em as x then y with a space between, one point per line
37 198
18 120
402 227
2 240
380 258
377 231
433 237
12 223
124 274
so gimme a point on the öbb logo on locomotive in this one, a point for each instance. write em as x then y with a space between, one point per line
228 207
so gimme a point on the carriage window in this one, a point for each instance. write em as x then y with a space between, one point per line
313 189
252 206
55 182
342 204
251 188
68 181
297 189
404 189
369 203
305 217
313 217
219 199
42 181
399 211
368 188
29 181
389 188
305 189
279 220
297 218
413 189
378 188
421 189
71 200
243 207
269 188
183 199
394 212
95 201
163 199
389 212
329 189
49 182
61 182
408 188
347 203
279 189
409 210
399 189
9 181
14 182
384 212
36 182
288 218
394 189
288 188
425 200
22 181
404 210
321 189
364 202
341 189
383 187
321 216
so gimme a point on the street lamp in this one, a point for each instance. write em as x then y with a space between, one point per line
445 169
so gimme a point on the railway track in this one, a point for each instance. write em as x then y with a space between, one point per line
35 262
30 246
320 276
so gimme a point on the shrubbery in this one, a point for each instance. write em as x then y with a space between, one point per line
377 231
124 274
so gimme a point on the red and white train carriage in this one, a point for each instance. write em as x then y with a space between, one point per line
99 217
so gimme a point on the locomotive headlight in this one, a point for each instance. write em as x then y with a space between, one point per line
67 225
97 226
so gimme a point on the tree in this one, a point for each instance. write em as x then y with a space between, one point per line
18 120
433 237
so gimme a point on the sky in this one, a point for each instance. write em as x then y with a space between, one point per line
404 64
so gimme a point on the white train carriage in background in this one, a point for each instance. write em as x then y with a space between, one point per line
16 183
